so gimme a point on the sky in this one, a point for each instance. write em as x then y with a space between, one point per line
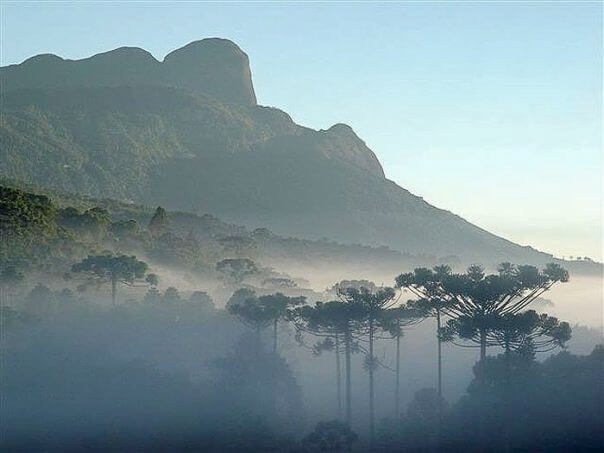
491 110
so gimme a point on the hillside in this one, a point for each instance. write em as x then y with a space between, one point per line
186 133
45 232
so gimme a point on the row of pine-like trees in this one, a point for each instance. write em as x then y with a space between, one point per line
470 309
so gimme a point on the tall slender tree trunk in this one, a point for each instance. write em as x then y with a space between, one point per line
113 289
440 361
507 398
440 377
338 376
371 387
1 313
275 336
347 349
397 397
483 344
258 339
508 370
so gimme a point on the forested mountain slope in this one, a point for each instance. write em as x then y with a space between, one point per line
187 133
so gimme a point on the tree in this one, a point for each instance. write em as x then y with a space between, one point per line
423 408
280 305
202 299
479 297
330 436
153 296
526 332
115 269
170 248
159 222
255 384
92 222
125 230
239 297
519 334
560 398
237 269
171 296
260 312
476 299
372 304
333 319
251 313
424 414
428 303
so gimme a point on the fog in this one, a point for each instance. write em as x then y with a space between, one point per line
179 373
579 301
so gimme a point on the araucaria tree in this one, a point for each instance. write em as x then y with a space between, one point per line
279 306
260 312
475 302
372 305
120 269
479 300
159 222
422 283
527 332
339 320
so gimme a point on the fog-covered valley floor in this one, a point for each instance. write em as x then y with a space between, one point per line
131 329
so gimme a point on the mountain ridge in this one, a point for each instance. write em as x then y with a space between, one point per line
189 147
191 67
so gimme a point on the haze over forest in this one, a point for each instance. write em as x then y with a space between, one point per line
182 268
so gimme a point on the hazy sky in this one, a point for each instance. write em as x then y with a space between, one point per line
491 110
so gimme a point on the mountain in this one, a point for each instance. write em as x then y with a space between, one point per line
187 133
215 66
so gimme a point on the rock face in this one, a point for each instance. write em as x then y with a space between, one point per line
186 133
341 142
215 67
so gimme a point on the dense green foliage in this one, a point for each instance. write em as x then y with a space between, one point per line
48 237
553 405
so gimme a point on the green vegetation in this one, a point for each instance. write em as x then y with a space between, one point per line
123 269
41 235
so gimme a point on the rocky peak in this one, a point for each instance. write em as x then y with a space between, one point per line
214 66
342 142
